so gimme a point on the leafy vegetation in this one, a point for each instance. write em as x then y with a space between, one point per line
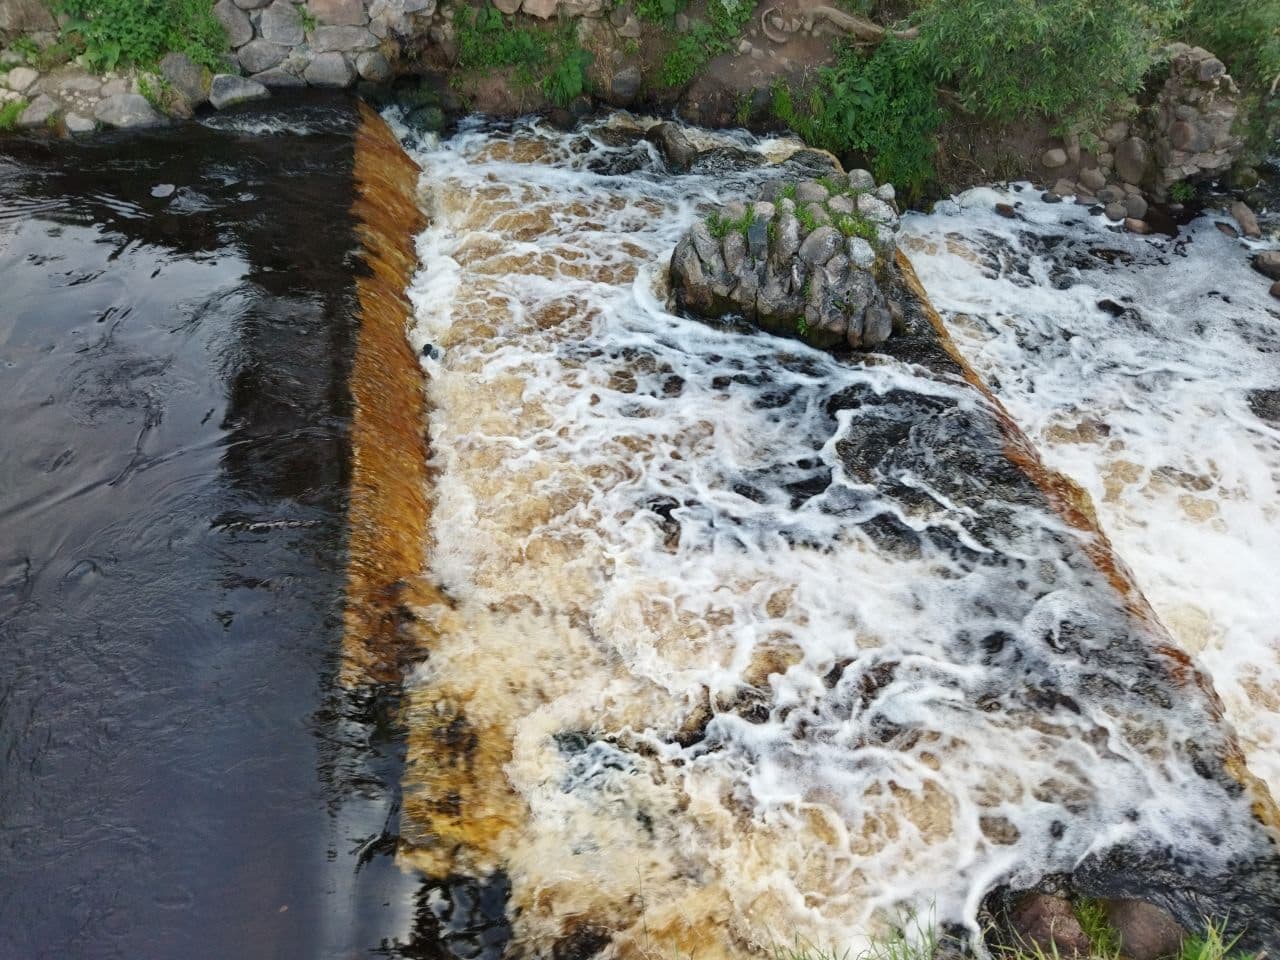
658 11
1064 59
1244 35
856 225
1182 191
549 58
705 41
883 105
720 227
118 33
10 112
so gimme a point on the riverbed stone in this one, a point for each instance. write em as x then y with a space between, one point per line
626 84
187 77
862 180
21 79
1145 931
251 4
1093 179
76 123
342 39
277 78
1275 289
374 66
676 149
1114 210
1248 221
127 110
330 70
282 23
227 90
1135 205
258 55
1268 264
38 111
1054 158
1132 158
1134 225
810 191
1049 923
542 9
235 21
340 13
819 246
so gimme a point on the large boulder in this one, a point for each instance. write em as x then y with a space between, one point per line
228 90
818 270
127 110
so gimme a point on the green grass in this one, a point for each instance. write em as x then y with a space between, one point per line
309 21
706 40
10 113
856 225
124 33
720 227
658 11
1182 191
549 58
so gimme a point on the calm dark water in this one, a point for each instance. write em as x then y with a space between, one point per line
180 775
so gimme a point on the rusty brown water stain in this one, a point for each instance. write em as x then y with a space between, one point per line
1074 505
389 508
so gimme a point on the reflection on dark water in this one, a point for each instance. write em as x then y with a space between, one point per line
181 776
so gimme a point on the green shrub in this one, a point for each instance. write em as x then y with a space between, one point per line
552 58
883 105
140 32
720 227
10 113
1067 60
1244 34
705 41
569 77
658 11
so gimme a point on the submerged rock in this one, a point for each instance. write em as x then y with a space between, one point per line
1145 931
227 90
819 272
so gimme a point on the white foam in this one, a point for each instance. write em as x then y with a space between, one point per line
615 521
1148 411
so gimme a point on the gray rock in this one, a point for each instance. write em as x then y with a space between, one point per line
820 245
810 191
275 79
118 85
1132 158
38 111
508 7
861 254
20 79
1053 159
1267 264
861 180
236 21
282 23
1111 194
707 247
787 243
1275 289
342 13
259 55
841 204
626 84
1064 188
869 205
1116 132
330 70
818 213
1135 205
735 252
1115 210
251 4
1133 225
127 110
72 83
887 193
1246 218
342 39
758 235
630 28
227 90
676 150
372 65
1093 179
187 77
78 124
1146 932
877 325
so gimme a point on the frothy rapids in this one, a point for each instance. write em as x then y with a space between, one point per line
1146 369
745 644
